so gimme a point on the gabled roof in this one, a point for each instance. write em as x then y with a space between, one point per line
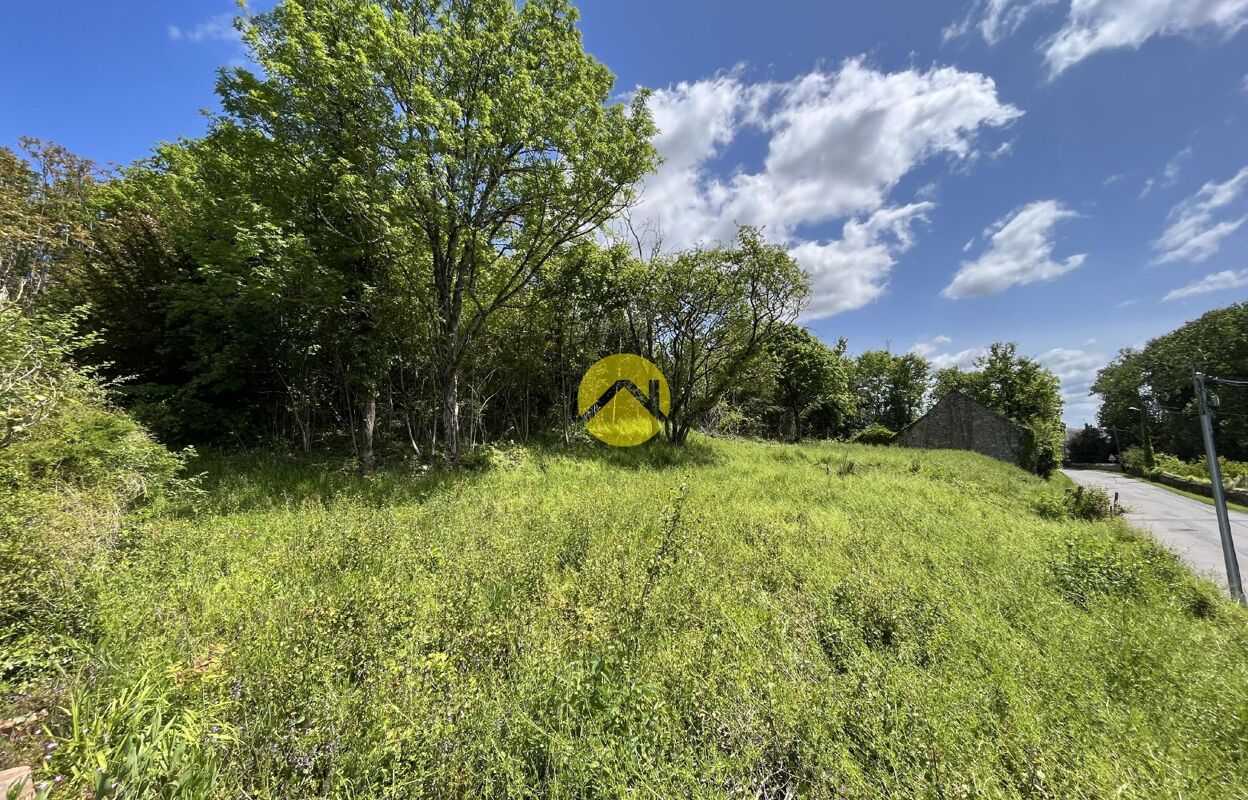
967 398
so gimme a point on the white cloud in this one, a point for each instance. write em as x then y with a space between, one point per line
1094 25
1076 369
849 272
1175 165
1217 282
1193 234
1127 303
963 359
1170 173
837 144
926 347
995 19
217 28
1020 251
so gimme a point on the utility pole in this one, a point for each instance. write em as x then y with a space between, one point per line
1233 581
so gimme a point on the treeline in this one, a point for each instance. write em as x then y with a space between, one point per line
407 231
1147 396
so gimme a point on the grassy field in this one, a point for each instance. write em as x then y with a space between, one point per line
742 620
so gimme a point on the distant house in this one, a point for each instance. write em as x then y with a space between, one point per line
957 422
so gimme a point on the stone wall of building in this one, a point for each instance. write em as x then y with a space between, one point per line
959 423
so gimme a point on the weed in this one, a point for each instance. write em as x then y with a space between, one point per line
578 624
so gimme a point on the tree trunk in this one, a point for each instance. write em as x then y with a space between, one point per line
370 425
450 418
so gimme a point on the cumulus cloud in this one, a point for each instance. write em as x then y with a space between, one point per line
1194 234
837 144
1217 282
217 28
963 359
849 272
1020 251
1076 369
1091 26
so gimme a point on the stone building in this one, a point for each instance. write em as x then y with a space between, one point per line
957 422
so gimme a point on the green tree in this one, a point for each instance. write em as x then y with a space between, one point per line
45 217
890 387
711 311
810 378
1089 445
1021 389
480 124
1158 379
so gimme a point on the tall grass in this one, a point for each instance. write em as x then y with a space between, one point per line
745 620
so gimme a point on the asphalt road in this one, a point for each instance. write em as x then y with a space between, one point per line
1188 527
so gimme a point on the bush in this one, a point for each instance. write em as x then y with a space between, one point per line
1134 459
1096 567
69 468
875 433
1082 502
491 456
1234 473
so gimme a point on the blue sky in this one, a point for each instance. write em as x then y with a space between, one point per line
1069 175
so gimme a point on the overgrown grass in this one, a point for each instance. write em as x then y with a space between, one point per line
748 620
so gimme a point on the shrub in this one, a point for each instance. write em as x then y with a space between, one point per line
69 467
1234 473
1096 567
491 456
875 433
1082 502
1164 462
1134 459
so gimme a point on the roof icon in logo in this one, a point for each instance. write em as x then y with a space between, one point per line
624 400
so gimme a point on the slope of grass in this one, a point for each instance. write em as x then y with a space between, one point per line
744 620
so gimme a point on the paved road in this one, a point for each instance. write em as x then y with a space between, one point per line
1188 527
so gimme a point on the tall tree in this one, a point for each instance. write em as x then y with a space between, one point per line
810 377
477 131
890 387
1158 379
45 217
1018 387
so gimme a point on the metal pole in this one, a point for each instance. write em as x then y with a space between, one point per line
1233 581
